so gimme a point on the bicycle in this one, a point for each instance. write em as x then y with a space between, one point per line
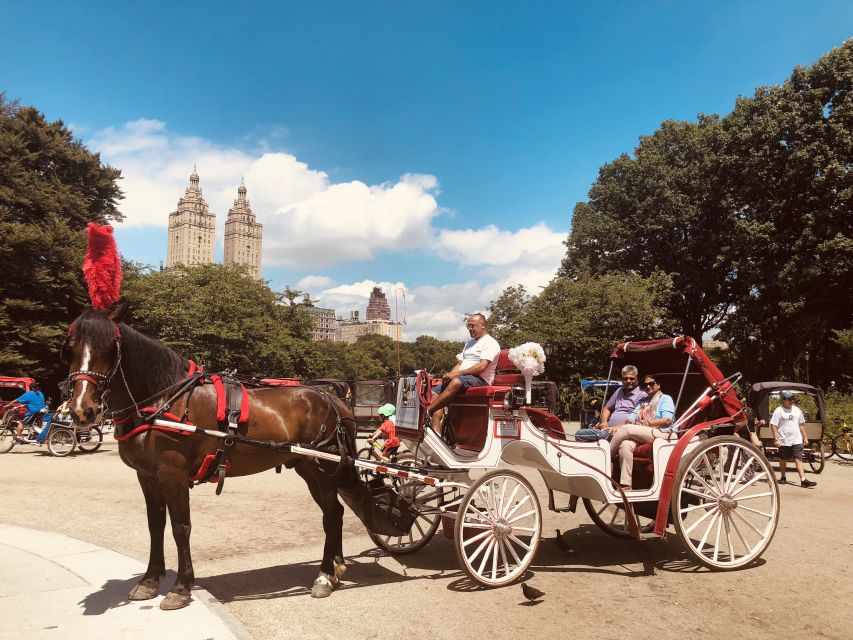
842 444
8 426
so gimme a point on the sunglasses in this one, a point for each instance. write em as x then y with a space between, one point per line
649 385
471 326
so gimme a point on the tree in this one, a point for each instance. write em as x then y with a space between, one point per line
581 319
219 317
665 210
788 164
51 186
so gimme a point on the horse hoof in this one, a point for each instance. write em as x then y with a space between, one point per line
321 590
145 590
174 601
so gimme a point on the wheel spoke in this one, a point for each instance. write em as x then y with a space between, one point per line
754 495
740 535
705 496
501 500
476 538
748 523
519 542
512 552
479 549
711 472
707 532
755 480
502 547
733 468
693 508
491 514
523 515
751 510
712 512
485 559
729 539
517 506
703 482
717 537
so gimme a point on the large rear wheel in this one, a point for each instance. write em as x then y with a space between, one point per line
725 503
818 457
498 528
61 442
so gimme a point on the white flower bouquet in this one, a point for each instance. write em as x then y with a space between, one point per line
530 360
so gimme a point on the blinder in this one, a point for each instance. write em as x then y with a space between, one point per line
98 380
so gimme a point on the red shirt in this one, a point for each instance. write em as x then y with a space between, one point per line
390 430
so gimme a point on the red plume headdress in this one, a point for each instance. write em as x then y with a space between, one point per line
102 267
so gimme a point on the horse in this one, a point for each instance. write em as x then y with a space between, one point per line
109 359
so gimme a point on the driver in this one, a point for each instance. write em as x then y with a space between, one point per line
33 400
476 368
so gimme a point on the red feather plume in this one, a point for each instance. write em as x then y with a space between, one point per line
102 267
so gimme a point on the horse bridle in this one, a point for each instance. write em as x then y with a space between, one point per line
99 380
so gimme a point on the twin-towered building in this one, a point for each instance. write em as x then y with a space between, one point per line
192 232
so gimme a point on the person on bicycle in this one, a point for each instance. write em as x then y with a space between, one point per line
388 428
33 400
62 415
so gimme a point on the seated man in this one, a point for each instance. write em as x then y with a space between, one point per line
34 401
476 368
618 408
652 419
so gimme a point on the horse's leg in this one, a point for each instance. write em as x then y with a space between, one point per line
155 504
177 492
323 489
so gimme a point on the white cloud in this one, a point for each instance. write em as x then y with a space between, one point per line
312 283
309 221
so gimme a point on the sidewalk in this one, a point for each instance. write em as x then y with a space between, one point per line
58 587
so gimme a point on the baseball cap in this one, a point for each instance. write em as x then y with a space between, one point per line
787 395
386 410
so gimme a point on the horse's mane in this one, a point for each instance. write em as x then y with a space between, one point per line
149 366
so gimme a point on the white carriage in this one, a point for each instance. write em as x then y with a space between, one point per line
715 489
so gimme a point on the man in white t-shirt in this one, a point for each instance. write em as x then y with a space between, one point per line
786 423
476 368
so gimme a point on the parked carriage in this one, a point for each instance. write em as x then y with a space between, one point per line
813 408
715 489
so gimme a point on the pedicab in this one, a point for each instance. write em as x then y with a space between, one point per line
811 402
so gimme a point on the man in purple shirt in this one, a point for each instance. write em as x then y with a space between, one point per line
618 409
621 404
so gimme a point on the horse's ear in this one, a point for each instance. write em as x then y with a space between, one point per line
118 310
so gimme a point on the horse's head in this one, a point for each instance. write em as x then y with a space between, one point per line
93 352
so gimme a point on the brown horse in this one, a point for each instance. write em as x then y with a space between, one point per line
109 359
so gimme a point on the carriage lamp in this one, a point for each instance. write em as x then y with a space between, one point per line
514 398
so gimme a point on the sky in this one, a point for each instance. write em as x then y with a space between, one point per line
435 149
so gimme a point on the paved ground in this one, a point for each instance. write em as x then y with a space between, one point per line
256 549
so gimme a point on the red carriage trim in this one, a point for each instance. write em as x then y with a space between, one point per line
205 467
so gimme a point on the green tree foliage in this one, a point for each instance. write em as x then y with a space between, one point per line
750 217
581 319
51 186
665 210
219 317
789 165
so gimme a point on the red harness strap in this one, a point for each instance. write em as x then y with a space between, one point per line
222 401
153 427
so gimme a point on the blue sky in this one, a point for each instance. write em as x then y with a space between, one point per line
438 147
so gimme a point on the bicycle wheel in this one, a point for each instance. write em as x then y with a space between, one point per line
89 441
7 438
61 442
817 458
842 446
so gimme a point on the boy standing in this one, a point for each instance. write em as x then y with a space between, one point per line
790 437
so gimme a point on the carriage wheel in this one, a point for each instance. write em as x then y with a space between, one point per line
610 518
425 499
818 458
61 442
725 503
90 441
498 528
